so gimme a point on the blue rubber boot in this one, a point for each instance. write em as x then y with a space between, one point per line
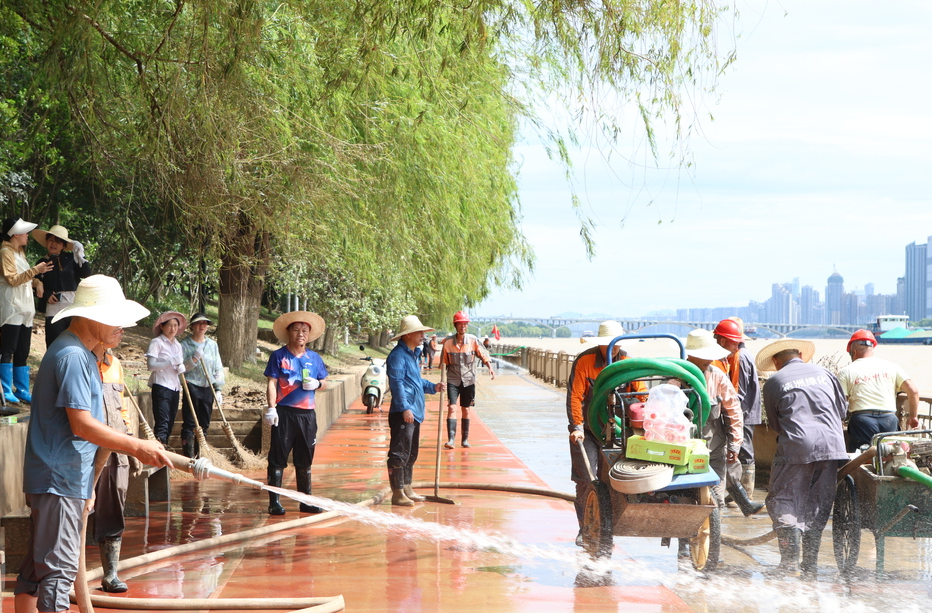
6 379
21 381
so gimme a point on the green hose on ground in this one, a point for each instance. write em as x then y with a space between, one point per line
625 371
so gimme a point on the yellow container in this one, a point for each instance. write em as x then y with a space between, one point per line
698 457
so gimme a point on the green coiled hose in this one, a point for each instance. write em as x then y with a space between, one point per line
625 371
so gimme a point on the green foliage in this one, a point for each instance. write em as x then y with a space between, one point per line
564 332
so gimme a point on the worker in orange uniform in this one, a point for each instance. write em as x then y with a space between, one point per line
586 367
458 354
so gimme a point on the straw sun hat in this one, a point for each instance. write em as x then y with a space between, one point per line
765 355
315 321
100 298
608 330
701 344
61 232
410 324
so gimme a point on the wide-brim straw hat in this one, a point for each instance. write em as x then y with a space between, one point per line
42 236
315 321
21 227
701 344
100 298
199 317
608 330
410 324
157 326
764 358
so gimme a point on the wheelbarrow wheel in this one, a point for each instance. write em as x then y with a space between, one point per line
704 548
598 540
846 525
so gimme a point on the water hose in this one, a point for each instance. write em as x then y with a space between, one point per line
915 474
625 371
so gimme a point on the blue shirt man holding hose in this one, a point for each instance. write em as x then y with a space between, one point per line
407 408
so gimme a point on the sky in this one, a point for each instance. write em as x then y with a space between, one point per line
819 157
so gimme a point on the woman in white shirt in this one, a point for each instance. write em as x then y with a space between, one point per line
165 360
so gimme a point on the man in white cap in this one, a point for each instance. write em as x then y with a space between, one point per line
586 367
66 429
407 408
724 439
295 374
805 406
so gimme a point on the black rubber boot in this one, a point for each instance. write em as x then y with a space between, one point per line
187 448
275 480
109 558
303 478
451 434
465 433
788 541
812 539
396 477
409 479
740 496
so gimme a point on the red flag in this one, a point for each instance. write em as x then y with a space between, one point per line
496 333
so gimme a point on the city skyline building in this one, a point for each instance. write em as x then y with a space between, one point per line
916 280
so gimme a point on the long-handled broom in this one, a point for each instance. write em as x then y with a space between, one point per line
436 496
206 451
244 458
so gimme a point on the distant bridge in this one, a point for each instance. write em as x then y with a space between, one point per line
633 325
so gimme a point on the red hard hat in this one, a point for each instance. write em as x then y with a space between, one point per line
461 317
861 335
729 329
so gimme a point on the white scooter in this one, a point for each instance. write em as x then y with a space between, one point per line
374 383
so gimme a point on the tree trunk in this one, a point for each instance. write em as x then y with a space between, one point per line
373 339
242 279
384 338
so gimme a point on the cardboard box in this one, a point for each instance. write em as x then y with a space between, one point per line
640 448
698 456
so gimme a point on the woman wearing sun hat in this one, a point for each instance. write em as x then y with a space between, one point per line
201 352
295 374
66 257
17 308
165 359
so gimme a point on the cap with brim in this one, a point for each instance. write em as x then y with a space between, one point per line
21 227
199 317
315 321
61 232
701 344
100 298
410 324
157 326
764 358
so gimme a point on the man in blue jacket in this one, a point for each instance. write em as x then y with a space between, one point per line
407 408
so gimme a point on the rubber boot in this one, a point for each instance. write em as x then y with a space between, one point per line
109 558
6 378
21 381
396 477
302 477
788 541
275 480
747 479
740 496
812 539
187 448
409 479
466 433
451 434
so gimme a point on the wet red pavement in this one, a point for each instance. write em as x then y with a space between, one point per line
372 568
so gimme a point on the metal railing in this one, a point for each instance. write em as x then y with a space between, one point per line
552 367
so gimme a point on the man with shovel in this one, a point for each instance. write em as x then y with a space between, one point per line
407 409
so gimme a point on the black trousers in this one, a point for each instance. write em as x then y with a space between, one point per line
203 400
14 344
164 410
296 433
52 330
405 441
865 424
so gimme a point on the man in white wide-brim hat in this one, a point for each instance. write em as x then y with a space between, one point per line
407 408
295 374
724 439
586 367
805 406
65 431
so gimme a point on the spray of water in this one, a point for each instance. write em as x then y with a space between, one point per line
718 592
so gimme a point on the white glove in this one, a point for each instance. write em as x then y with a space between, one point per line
271 416
310 384
198 354
77 249
179 368
219 398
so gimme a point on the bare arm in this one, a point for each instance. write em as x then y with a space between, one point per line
271 392
85 426
912 400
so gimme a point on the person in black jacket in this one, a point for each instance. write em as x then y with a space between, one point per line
68 268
